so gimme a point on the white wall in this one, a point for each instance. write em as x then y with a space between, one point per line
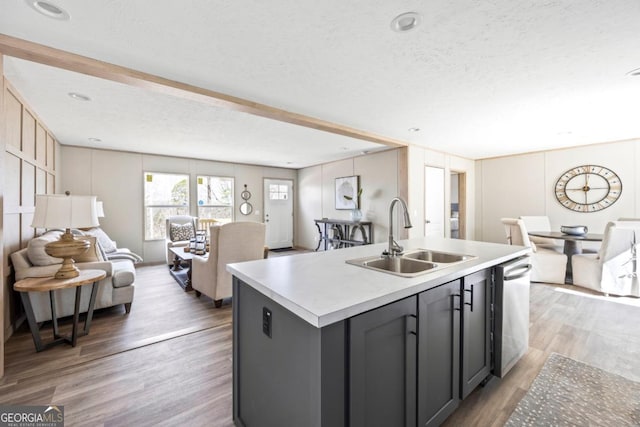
116 177
524 185
381 178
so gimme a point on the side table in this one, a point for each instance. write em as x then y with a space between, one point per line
50 284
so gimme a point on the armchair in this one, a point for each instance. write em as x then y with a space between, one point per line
541 223
613 270
178 233
231 242
547 265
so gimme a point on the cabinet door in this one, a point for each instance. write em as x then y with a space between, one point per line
476 330
382 366
438 353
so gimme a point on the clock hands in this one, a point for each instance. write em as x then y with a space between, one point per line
605 184
590 188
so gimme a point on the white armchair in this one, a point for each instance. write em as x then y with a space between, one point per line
178 232
541 223
613 270
547 265
232 242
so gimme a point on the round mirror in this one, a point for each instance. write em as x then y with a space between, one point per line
246 195
246 208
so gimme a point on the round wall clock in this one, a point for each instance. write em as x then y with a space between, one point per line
588 188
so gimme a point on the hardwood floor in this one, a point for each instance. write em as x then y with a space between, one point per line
571 321
169 361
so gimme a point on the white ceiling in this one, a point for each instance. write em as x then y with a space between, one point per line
480 78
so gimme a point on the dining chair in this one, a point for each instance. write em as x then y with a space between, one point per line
613 270
541 223
547 265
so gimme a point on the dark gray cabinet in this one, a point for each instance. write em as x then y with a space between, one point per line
438 353
476 330
408 363
382 366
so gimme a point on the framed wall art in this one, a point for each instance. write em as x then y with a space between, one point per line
347 192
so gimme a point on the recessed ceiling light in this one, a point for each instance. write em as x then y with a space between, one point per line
414 129
49 9
634 73
406 22
79 96
95 140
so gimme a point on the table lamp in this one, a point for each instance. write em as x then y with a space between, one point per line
100 209
65 211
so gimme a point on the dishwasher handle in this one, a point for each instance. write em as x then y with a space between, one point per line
519 272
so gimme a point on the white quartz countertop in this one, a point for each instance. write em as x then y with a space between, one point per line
321 288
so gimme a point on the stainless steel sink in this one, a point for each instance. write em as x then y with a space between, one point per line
399 265
435 256
411 264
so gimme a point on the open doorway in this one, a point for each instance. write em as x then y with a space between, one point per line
457 213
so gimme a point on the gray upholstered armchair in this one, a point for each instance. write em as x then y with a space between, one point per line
179 230
232 242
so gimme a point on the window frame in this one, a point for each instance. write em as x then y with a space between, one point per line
161 206
232 198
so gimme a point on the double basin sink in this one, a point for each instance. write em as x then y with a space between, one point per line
411 264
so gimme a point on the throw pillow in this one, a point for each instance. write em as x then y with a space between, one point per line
179 232
92 254
35 249
107 244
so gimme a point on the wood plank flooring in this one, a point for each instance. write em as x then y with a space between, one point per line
571 321
169 361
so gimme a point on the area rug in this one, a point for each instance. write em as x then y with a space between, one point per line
571 393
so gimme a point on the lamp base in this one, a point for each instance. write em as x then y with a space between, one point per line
66 248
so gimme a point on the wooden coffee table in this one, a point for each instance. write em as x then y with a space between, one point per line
179 256
50 284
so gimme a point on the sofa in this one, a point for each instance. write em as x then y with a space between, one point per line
115 289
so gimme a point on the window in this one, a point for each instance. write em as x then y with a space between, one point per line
278 192
165 194
215 198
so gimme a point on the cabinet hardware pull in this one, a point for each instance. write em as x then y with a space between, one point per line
411 326
453 301
470 303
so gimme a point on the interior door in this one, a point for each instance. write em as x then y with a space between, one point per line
434 201
278 212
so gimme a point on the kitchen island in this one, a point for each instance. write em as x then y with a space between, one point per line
319 342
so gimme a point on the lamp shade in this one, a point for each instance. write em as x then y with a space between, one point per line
100 209
62 211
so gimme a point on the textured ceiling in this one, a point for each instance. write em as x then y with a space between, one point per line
480 78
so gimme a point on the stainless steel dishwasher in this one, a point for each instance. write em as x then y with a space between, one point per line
511 313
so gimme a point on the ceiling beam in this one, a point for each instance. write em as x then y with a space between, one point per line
46 55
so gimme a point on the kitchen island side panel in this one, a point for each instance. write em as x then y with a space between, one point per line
294 377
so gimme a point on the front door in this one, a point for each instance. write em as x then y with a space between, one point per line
278 212
434 202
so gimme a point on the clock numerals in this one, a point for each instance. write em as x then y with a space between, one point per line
588 188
